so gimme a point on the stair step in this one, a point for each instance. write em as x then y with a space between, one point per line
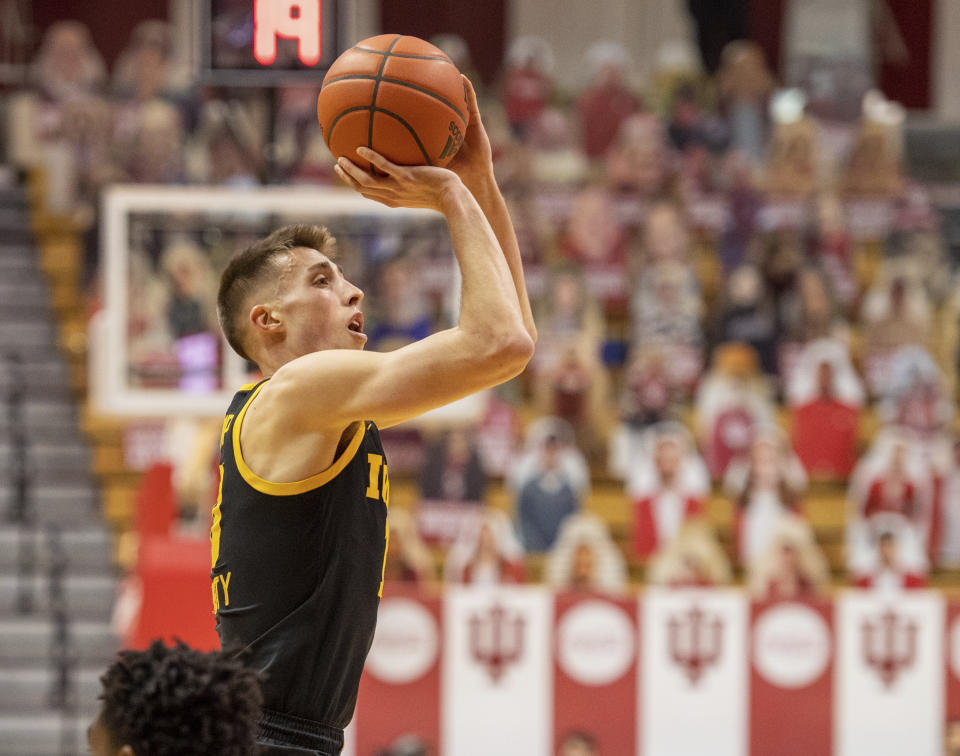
16 255
46 412
36 287
87 551
29 690
15 234
87 596
40 435
41 380
13 333
72 455
42 733
57 502
14 218
19 269
27 641
60 476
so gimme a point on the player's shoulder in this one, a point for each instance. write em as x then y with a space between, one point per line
243 395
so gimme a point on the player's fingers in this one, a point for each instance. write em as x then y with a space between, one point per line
345 177
378 161
354 171
471 99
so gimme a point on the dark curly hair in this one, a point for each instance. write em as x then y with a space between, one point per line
175 701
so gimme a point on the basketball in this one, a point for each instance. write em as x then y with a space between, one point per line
399 96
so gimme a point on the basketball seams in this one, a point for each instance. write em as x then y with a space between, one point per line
400 83
340 115
409 56
372 109
376 87
408 127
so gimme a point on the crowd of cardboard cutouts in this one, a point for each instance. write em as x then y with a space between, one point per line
735 300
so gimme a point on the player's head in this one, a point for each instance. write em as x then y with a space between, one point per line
285 296
175 701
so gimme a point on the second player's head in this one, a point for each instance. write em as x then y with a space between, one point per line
285 296
175 701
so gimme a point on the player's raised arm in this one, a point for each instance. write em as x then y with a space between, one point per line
473 163
489 345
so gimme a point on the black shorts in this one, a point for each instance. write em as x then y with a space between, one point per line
287 735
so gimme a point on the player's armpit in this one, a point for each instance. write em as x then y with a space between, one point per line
332 388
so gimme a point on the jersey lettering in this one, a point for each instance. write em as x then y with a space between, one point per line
221 581
215 525
373 488
226 427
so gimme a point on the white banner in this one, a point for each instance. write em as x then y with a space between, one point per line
693 697
890 679
497 672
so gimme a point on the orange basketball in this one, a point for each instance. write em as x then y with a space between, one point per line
400 96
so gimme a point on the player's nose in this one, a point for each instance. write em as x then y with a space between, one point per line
354 295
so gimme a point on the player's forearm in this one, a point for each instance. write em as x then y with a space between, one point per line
494 207
489 307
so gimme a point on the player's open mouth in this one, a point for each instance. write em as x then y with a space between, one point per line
355 324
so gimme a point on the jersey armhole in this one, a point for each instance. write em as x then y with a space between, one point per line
294 487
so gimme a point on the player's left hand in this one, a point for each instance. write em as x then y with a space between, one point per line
398 185
473 162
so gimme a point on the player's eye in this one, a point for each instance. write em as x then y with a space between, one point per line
322 281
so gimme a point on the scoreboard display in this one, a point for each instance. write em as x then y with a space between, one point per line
269 42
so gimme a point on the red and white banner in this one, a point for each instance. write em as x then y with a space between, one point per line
595 673
693 696
497 675
516 671
889 682
403 667
791 678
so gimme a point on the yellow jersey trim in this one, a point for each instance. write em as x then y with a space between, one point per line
294 487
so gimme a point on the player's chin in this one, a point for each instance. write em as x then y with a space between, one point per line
358 340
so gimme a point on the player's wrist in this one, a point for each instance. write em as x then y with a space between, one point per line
482 183
452 194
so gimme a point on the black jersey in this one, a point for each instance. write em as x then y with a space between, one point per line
298 570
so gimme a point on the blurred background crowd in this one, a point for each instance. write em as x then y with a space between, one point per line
749 317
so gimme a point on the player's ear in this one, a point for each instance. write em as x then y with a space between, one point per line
265 318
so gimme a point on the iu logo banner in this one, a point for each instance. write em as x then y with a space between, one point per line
694 660
890 691
403 666
791 678
497 672
595 671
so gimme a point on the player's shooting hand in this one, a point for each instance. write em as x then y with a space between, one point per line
473 162
398 185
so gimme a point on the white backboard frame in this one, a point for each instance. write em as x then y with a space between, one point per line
108 358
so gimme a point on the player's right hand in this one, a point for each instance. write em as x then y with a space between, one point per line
399 185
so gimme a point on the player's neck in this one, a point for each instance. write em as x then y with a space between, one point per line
272 358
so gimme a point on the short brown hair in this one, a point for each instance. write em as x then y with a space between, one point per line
246 270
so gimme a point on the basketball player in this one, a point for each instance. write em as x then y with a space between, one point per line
299 533
168 701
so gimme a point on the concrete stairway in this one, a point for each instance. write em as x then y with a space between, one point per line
56 580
